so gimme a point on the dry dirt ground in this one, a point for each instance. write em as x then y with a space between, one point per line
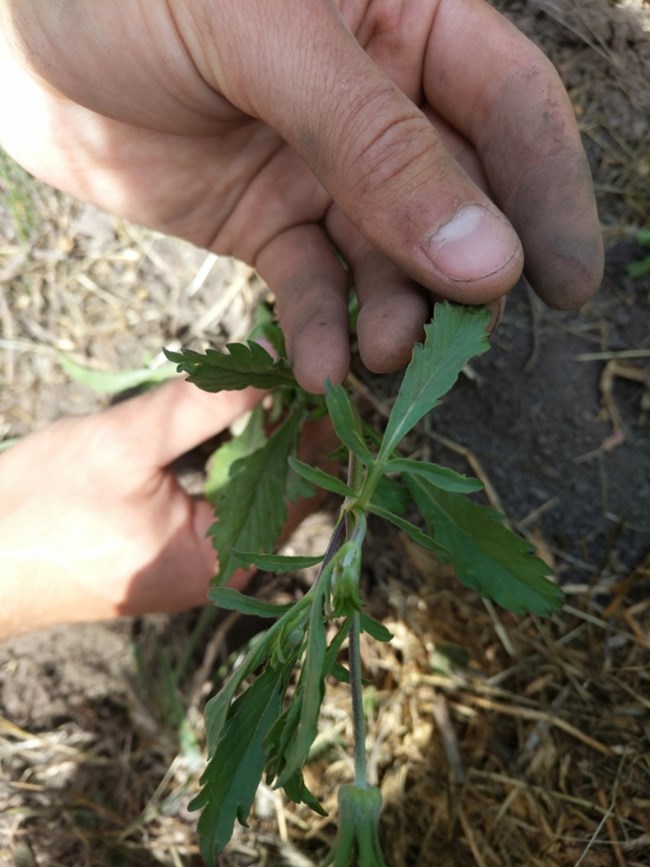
496 740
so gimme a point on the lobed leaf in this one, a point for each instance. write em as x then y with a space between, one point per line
235 769
312 688
456 334
485 554
298 792
243 365
251 508
279 739
216 710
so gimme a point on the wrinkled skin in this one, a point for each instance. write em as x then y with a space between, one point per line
275 131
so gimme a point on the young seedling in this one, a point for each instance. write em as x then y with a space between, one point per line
256 725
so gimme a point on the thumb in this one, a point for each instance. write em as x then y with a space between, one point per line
376 153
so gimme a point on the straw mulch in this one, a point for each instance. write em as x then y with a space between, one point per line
495 740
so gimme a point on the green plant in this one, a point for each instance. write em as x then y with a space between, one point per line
256 725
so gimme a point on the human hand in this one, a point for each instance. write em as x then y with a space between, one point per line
94 525
270 130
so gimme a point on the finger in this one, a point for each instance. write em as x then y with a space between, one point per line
392 308
504 95
370 146
169 421
310 286
465 155
460 148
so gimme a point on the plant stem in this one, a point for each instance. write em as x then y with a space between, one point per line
336 540
370 483
358 718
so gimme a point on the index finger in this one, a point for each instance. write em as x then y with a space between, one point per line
491 83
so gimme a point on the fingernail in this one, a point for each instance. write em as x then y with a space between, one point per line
473 244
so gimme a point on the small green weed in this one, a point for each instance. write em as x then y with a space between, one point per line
257 726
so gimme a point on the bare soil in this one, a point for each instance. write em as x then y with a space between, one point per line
496 740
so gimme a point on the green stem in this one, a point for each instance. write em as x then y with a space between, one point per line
336 540
358 717
370 483
355 523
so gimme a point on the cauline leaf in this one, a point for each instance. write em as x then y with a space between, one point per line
485 554
455 335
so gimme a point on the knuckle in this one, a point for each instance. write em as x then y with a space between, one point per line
387 149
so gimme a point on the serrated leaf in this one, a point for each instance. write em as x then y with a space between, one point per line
312 688
298 792
233 600
411 530
279 739
243 365
374 628
441 477
251 438
216 710
319 477
485 554
456 334
235 769
274 562
345 422
251 508
116 381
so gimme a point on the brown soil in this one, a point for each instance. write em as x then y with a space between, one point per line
496 740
